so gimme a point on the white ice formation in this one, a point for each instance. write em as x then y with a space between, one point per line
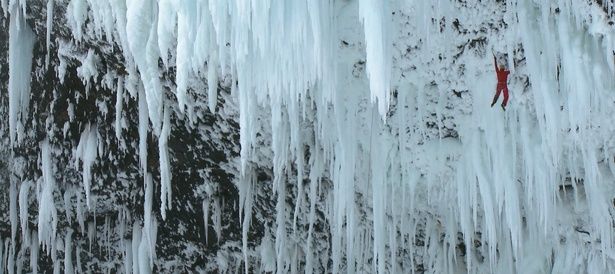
356 99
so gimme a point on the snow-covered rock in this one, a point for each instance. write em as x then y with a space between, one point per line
306 136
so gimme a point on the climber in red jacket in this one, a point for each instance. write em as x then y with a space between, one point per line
502 75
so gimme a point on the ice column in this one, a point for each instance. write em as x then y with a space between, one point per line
376 21
47 216
21 44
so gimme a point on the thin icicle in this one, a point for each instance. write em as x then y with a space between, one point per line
212 83
128 257
50 7
24 190
315 174
147 247
206 219
13 208
34 245
185 36
47 214
217 217
245 197
87 151
165 166
143 129
11 259
68 249
119 104
136 241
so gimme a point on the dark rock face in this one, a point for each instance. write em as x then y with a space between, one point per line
203 154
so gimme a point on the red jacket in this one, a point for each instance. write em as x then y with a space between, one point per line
501 73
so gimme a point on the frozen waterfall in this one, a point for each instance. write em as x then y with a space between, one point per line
365 124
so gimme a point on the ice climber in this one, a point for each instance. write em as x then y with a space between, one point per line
502 75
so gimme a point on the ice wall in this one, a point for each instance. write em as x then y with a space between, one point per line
528 190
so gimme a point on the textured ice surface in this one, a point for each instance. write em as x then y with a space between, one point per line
367 143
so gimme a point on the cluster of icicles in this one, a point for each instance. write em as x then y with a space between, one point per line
284 56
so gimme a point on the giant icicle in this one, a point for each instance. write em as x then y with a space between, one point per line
21 44
374 15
